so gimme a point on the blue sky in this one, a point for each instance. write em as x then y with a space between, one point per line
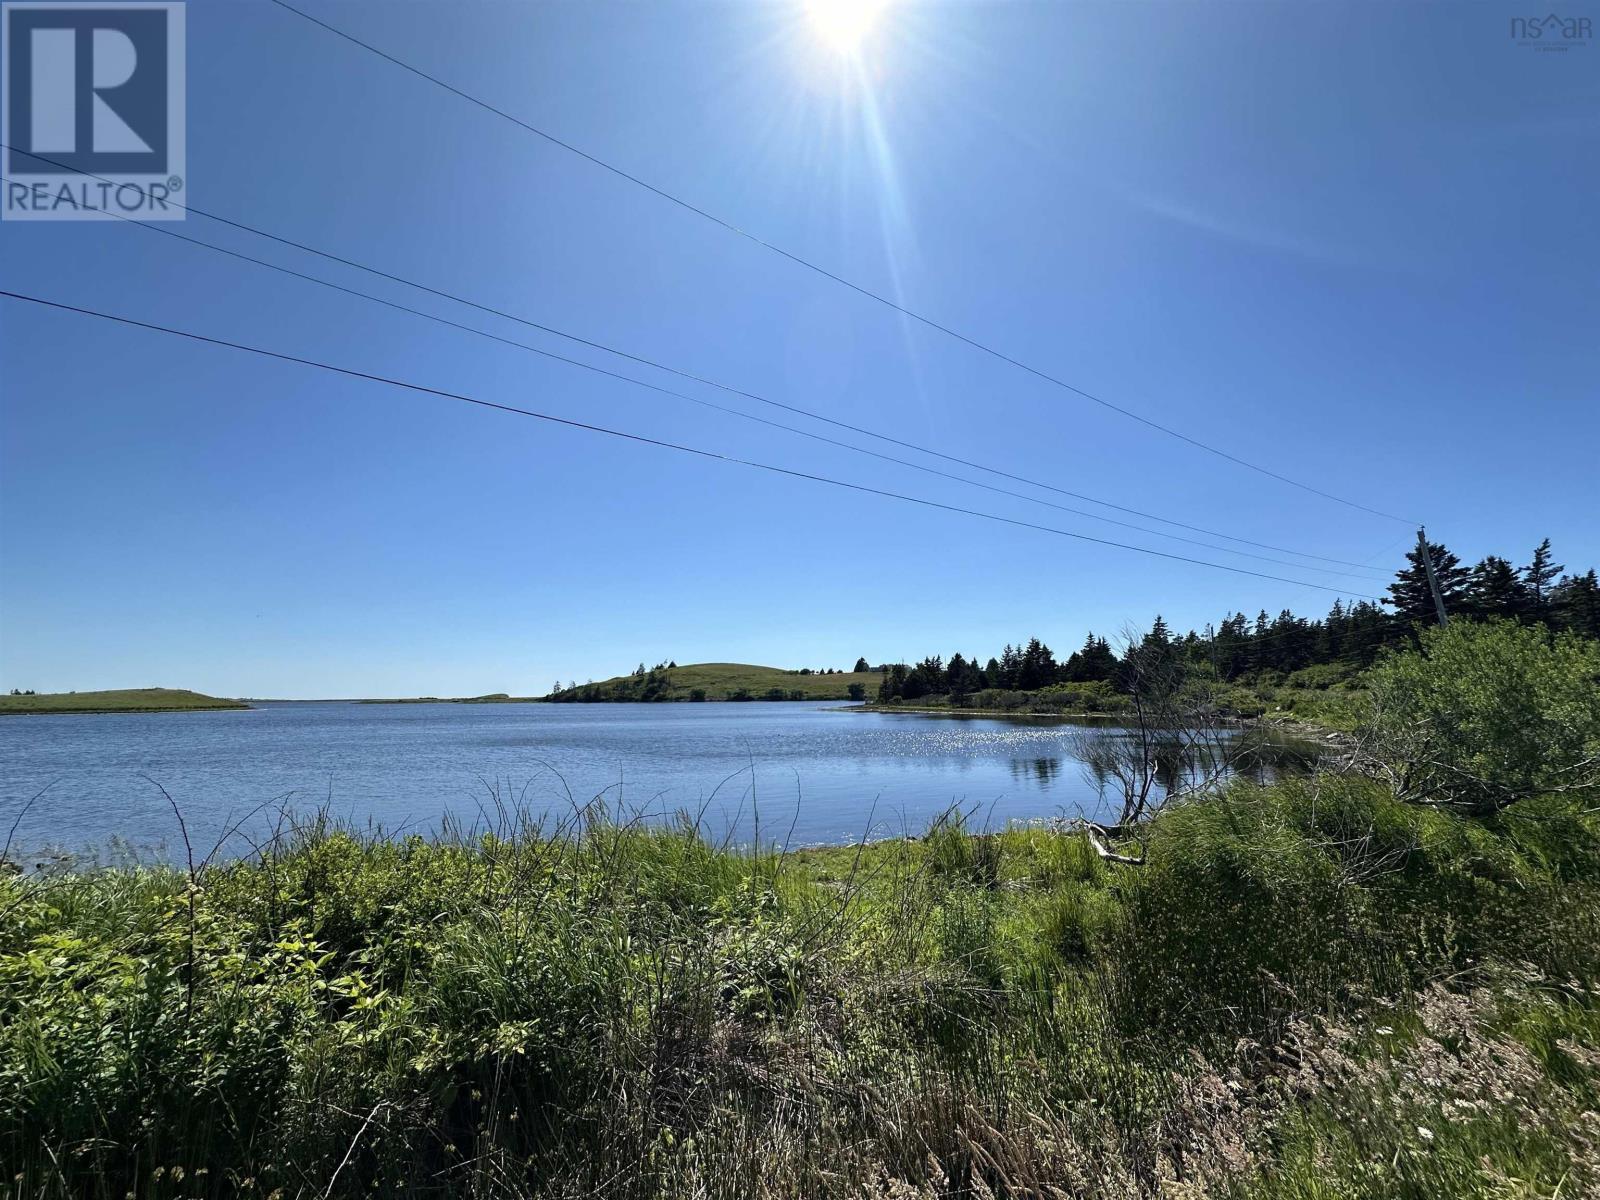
1356 243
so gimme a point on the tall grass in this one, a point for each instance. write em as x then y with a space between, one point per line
1301 979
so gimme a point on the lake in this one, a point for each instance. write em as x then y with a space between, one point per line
821 774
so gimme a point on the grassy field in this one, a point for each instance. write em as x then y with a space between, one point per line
723 681
1309 991
123 700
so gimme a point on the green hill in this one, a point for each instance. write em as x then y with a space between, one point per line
124 700
720 681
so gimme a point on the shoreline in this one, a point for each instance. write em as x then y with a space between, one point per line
1006 714
125 710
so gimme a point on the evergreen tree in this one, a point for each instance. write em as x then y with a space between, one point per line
1102 661
1410 594
1368 629
893 682
1576 603
1495 590
1233 646
924 679
1037 667
861 665
1539 575
1289 643
1010 667
1330 643
1094 662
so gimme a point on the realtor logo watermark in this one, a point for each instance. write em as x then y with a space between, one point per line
1552 32
92 111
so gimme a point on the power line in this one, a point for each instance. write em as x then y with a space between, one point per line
657 442
688 375
972 342
805 433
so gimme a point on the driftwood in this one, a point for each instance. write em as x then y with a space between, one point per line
1092 832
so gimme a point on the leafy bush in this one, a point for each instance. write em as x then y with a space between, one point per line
1321 676
1482 716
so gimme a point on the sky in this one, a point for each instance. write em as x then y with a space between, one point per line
1355 244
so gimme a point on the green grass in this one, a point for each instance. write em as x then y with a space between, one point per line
724 681
1310 990
125 700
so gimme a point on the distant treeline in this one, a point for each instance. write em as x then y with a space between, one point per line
1348 639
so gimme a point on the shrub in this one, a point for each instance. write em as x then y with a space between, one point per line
1482 716
1321 676
1236 904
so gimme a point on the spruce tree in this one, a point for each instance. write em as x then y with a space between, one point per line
1233 646
1330 640
1010 667
1576 604
1539 575
1495 590
1038 666
1410 595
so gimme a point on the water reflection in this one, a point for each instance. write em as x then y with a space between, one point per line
1039 771
1124 762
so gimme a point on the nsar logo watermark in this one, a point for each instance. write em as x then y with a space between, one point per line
1552 32
92 111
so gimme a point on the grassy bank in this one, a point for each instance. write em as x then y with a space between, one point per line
1309 990
722 681
125 700
1341 706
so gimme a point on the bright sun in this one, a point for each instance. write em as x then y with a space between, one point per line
844 24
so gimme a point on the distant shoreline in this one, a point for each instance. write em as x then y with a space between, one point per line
1009 714
126 700
499 698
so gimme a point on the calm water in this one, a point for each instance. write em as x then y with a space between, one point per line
815 768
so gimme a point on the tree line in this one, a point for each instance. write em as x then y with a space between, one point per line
1349 638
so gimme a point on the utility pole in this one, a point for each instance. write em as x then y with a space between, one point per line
1433 580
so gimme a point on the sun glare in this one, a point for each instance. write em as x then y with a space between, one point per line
844 24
